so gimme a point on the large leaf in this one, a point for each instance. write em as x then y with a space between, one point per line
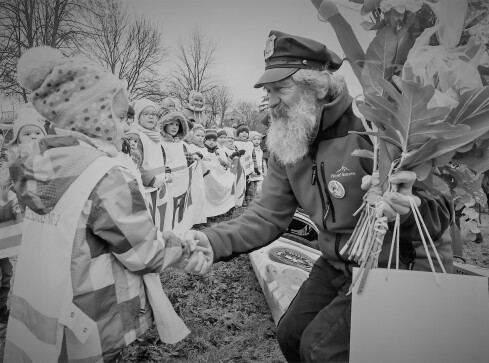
379 60
473 111
406 121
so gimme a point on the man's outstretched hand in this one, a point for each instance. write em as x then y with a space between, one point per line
202 255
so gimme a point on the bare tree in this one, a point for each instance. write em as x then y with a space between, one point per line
218 101
225 99
195 58
28 23
246 112
132 50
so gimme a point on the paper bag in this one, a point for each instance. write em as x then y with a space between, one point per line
409 318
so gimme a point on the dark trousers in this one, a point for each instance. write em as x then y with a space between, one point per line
316 327
6 269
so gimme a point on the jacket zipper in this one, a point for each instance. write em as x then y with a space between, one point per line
314 179
328 196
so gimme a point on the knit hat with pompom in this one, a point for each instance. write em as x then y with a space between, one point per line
73 93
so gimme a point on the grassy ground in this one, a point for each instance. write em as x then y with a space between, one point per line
226 312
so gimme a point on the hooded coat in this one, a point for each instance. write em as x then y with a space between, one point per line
175 152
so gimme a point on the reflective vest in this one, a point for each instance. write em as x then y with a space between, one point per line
153 156
42 296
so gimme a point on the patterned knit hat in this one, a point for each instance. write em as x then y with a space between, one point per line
73 93
210 134
27 116
242 128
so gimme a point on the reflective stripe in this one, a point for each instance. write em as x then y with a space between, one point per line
42 326
31 345
178 168
157 171
15 354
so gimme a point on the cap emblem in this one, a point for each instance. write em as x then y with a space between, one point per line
269 46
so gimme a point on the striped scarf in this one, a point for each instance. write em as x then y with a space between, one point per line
152 134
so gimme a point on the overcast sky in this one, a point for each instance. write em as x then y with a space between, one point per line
240 29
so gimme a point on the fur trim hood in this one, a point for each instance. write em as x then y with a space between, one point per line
168 118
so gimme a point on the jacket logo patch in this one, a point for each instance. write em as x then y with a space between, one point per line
336 189
342 172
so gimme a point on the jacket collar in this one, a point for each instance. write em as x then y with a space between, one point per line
331 112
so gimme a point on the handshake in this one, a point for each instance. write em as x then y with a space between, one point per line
197 254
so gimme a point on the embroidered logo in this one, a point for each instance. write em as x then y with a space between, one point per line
342 172
269 46
336 189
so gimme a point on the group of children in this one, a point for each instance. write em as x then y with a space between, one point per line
164 140
88 227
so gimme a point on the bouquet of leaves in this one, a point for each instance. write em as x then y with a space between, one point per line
411 136
432 116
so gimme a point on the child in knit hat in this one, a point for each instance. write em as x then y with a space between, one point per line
256 177
246 146
87 229
152 166
28 125
196 142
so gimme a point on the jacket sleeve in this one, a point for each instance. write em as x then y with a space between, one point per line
263 221
119 217
436 210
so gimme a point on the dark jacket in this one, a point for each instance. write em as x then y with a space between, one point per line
285 188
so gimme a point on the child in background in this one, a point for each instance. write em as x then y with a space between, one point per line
9 212
210 142
229 148
196 142
88 228
28 127
246 146
256 177
174 128
152 166
221 142
212 147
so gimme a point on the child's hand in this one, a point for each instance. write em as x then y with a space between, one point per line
159 181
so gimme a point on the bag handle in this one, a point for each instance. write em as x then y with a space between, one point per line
422 231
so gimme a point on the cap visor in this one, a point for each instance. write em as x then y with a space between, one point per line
274 75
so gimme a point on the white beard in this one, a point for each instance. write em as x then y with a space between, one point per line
292 130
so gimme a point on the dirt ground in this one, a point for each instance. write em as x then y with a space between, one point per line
228 315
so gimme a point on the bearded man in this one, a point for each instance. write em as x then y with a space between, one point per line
311 165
